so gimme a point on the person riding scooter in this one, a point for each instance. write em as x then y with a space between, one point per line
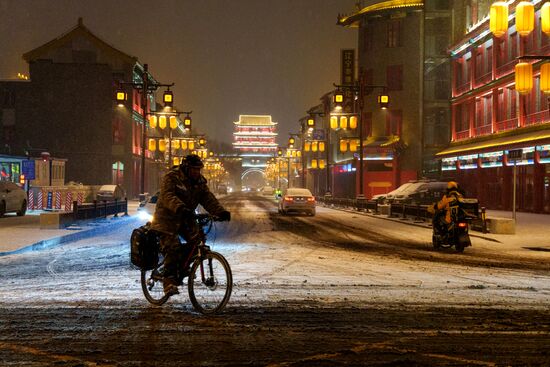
446 210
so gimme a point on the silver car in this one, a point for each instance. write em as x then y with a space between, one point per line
12 199
297 200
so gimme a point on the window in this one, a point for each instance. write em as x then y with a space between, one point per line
394 33
118 131
393 122
394 77
367 39
367 124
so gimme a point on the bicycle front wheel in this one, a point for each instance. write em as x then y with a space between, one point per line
210 283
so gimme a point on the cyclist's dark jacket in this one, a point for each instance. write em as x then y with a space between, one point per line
180 192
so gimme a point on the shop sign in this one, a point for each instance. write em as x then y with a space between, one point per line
493 159
468 161
27 168
520 157
449 164
544 153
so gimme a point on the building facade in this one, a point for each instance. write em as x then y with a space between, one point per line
67 108
254 142
491 121
403 47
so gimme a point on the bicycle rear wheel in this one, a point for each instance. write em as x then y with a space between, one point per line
210 283
152 286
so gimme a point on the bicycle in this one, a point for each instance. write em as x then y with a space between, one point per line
209 282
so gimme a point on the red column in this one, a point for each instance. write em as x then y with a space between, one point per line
495 110
472 121
453 122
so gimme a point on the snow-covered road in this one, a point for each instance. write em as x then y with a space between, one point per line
334 261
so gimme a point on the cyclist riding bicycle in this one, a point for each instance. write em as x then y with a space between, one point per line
183 189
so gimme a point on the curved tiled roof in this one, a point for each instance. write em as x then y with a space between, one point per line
351 20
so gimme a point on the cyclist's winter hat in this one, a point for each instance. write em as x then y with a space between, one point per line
192 160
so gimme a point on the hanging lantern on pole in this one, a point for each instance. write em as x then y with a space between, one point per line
498 18
545 18
353 122
314 146
525 18
173 122
545 76
152 145
334 122
314 163
162 145
153 121
162 122
524 77
184 145
322 164
353 145
176 161
343 145
176 144
191 145
343 122
307 146
321 146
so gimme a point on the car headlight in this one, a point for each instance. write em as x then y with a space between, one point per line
145 216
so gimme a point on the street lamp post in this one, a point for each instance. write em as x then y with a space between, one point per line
308 128
146 89
361 89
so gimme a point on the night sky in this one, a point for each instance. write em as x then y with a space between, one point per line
275 57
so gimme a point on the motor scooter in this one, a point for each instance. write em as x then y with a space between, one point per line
453 234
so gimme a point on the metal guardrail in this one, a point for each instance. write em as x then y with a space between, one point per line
404 211
99 209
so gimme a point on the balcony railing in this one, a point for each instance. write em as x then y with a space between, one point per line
460 135
462 89
537 118
507 68
507 124
483 130
484 79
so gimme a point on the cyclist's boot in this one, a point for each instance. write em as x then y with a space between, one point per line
170 288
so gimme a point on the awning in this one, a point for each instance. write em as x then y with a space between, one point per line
503 142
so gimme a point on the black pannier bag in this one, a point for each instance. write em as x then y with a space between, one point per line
144 248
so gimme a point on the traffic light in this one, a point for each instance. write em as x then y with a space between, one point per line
384 101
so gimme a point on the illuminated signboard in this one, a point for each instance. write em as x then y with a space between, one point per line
468 161
449 164
493 159
527 157
544 153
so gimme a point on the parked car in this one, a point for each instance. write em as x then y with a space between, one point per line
110 192
12 199
422 193
382 197
297 200
146 208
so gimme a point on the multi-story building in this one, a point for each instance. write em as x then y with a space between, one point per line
490 118
254 141
67 108
402 46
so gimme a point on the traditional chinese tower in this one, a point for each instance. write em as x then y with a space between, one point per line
254 140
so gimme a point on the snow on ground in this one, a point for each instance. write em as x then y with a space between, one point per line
273 266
